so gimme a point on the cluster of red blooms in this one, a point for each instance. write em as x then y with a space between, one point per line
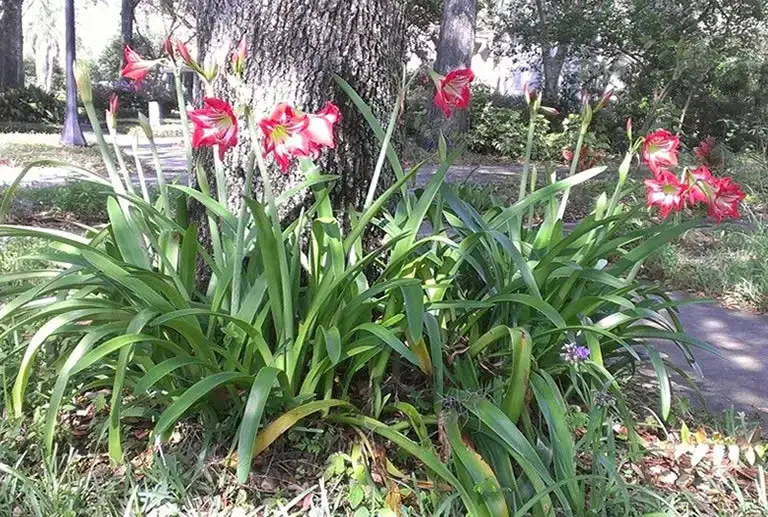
671 194
587 157
706 152
288 133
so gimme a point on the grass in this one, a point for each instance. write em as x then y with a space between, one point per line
60 205
19 149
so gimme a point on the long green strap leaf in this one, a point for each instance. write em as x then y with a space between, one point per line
249 426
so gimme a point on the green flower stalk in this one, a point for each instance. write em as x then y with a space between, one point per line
534 104
85 90
586 121
161 183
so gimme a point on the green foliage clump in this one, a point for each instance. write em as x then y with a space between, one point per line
30 104
503 324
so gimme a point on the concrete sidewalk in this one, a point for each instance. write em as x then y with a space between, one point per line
740 377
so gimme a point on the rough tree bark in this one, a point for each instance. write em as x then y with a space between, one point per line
127 10
11 44
454 50
294 48
552 61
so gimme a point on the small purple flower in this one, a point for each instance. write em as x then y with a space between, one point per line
573 353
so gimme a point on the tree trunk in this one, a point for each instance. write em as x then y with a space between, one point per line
454 50
552 60
11 45
294 48
127 10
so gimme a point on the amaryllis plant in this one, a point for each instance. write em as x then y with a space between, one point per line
504 319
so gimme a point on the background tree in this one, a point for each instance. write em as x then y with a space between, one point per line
294 49
11 44
43 34
127 14
454 50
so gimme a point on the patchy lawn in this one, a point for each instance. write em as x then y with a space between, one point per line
20 149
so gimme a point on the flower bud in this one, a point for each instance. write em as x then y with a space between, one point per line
238 58
83 80
629 128
168 48
183 51
552 112
145 126
114 106
530 94
605 100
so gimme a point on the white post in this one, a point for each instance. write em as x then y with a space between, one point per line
155 118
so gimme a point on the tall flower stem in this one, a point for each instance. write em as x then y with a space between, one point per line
587 114
121 160
161 182
102 143
184 122
534 108
385 143
269 196
237 262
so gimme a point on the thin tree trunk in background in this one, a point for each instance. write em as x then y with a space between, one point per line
294 48
455 48
71 134
127 10
11 45
553 60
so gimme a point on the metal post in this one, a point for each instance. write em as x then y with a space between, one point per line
71 134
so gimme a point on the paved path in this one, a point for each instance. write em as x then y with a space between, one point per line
740 378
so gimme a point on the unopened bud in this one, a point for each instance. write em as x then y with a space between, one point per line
183 51
605 100
552 112
238 58
168 48
114 106
145 126
629 129
584 97
83 80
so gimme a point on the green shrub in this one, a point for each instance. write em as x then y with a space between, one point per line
499 127
30 104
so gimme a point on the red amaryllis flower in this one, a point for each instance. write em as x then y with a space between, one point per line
183 51
453 90
136 67
660 150
666 192
699 185
285 135
215 125
238 58
320 128
726 196
704 149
